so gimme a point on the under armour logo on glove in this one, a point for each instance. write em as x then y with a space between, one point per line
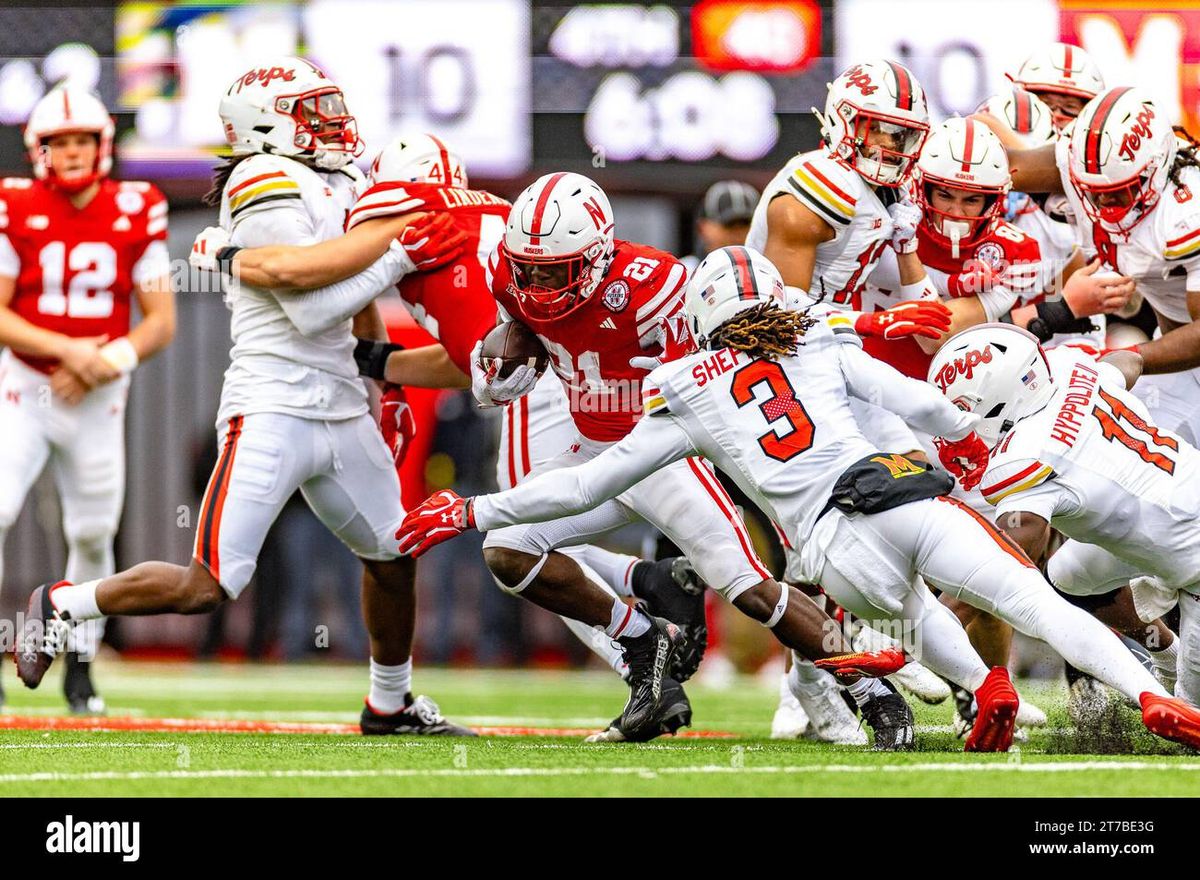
918 317
432 240
967 458
440 517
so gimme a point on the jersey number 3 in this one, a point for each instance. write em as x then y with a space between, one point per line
782 404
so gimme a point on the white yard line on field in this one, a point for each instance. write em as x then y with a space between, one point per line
644 772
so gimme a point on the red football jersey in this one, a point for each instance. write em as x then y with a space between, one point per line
591 346
452 303
1012 255
76 268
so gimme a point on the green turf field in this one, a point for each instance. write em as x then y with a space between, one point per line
87 763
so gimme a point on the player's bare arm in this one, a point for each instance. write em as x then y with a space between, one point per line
1178 348
792 243
429 366
1128 362
302 267
1033 169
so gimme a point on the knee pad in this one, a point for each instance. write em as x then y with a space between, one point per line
529 578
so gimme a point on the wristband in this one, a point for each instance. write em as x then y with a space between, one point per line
371 356
225 259
1055 316
120 355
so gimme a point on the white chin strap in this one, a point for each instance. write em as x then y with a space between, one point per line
956 231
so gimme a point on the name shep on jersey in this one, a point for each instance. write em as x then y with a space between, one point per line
711 368
1076 405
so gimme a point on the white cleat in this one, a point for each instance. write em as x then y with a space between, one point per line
820 697
1029 715
790 721
921 683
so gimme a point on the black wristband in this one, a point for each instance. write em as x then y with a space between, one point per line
1057 317
225 259
371 355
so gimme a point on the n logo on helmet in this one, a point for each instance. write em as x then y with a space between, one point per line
595 212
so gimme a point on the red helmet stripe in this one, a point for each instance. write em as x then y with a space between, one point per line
747 286
1067 59
66 105
1024 110
1091 145
535 232
904 90
445 160
968 146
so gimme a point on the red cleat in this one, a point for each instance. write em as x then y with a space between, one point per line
997 716
872 664
1171 719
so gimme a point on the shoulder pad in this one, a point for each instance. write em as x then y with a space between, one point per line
1012 472
826 187
1182 223
261 180
386 200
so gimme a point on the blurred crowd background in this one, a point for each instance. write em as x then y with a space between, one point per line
657 102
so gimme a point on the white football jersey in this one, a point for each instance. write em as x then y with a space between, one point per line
272 200
1162 252
839 196
782 430
1093 464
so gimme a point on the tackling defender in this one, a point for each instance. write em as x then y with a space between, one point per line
76 249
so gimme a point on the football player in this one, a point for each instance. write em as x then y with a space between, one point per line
1077 452
599 304
1064 78
419 174
766 399
294 413
77 248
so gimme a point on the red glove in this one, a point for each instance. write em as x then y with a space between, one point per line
440 517
976 278
396 422
918 317
967 458
432 240
675 339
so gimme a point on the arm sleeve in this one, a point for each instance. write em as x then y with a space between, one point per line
654 443
317 310
918 403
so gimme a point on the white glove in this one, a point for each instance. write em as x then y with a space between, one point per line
906 217
491 390
205 248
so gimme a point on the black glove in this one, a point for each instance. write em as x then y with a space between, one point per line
1056 316
371 355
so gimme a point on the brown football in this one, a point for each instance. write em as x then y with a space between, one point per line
514 344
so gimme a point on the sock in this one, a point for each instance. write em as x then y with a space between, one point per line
389 686
615 569
604 647
77 600
85 637
1166 659
866 688
626 621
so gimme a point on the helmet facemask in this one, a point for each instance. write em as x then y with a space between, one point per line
882 148
552 286
323 126
954 228
1118 207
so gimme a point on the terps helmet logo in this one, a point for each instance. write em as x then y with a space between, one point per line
264 75
861 80
1140 129
962 366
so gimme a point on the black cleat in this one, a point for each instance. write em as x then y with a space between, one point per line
81 695
891 719
965 710
649 659
675 711
44 637
420 716
672 590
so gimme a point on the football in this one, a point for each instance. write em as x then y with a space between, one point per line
514 344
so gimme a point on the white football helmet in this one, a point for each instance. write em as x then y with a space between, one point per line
418 158
1062 69
558 243
63 110
1026 114
876 120
962 154
1121 150
728 281
288 107
997 371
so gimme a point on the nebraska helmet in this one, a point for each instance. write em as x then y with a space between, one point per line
876 120
1062 69
997 371
558 243
1026 115
1121 150
962 154
64 110
418 158
728 281
288 107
